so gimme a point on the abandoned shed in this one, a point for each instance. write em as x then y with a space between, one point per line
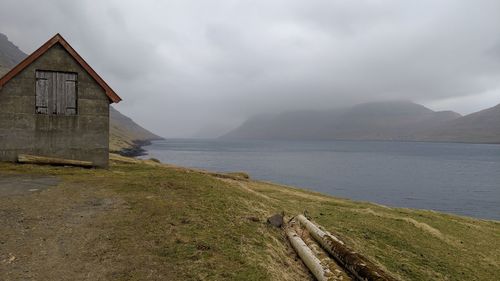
54 104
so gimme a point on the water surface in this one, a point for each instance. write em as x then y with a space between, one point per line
450 177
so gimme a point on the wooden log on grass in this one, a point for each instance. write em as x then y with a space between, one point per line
358 265
308 257
35 159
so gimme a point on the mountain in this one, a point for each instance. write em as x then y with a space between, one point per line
478 127
125 135
395 120
10 54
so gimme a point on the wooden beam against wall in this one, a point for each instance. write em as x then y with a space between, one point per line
34 159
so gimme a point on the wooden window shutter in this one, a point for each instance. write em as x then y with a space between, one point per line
42 92
56 93
70 93
60 97
52 78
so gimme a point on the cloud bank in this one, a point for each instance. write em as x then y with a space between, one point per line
188 68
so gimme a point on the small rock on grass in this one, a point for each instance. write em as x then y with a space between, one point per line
276 220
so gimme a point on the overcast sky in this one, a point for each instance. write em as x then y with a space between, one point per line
187 68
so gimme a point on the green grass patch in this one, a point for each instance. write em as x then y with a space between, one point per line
180 224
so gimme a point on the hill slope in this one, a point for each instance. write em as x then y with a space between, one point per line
478 127
10 54
126 136
396 120
141 220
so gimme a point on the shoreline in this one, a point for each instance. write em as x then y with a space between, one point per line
243 175
137 149
416 201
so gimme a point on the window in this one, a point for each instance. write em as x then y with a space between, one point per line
56 93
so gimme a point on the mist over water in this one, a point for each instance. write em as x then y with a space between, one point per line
463 179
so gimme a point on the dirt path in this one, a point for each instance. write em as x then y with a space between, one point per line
11 185
50 232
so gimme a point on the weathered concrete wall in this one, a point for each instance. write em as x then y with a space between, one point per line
84 136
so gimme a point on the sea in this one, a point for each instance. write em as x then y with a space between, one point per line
457 178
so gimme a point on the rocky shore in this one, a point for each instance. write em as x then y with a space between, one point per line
136 149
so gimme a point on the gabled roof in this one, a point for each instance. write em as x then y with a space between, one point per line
44 48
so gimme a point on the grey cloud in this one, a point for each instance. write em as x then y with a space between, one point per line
202 67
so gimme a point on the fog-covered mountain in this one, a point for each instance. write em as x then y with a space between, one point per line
395 120
478 127
125 134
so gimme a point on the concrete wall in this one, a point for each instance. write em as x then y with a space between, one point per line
84 136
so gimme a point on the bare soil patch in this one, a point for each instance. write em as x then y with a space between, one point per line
22 184
51 232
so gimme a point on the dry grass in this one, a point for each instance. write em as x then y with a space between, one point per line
163 222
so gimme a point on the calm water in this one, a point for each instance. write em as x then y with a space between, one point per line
456 178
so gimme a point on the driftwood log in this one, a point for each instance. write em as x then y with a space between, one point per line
359 266
34 159
308 257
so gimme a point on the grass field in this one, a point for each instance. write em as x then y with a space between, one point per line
141 220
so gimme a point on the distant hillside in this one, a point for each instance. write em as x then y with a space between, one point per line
397 120
10 54
126 136
478 127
